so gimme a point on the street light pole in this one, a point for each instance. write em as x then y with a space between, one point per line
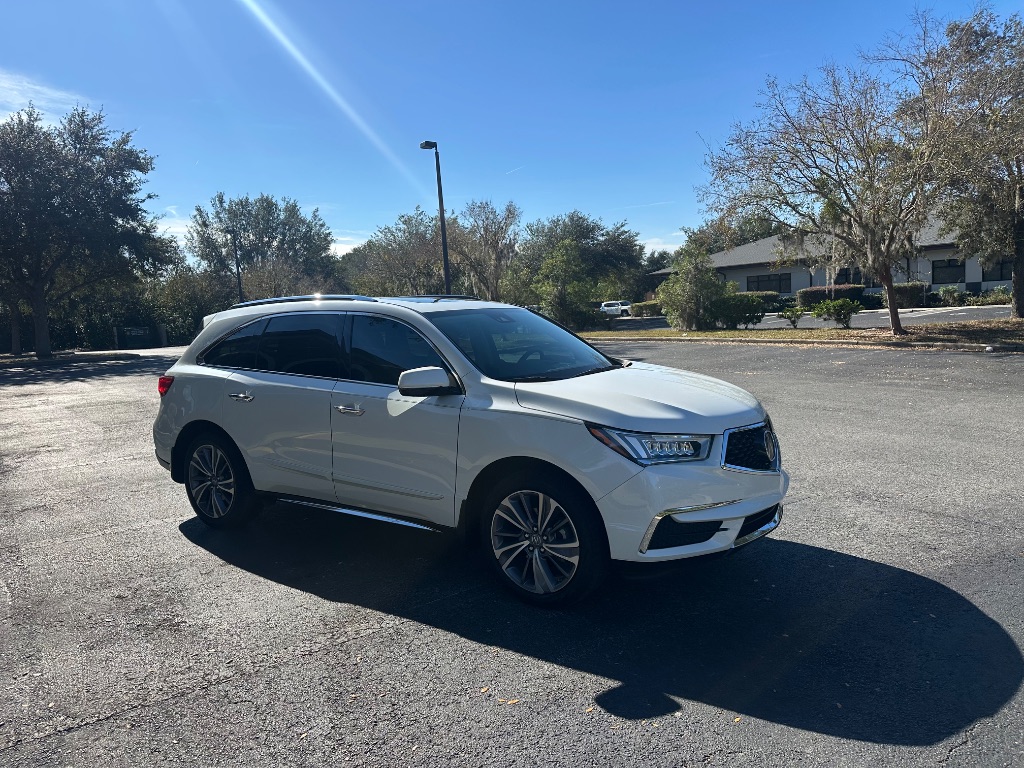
238 265
440 207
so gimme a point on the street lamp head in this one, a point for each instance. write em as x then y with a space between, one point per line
428 145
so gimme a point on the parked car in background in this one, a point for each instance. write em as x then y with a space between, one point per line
444 413
616 308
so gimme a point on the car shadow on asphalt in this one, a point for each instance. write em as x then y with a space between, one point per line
781 631
63 371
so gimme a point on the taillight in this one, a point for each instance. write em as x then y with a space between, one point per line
164 384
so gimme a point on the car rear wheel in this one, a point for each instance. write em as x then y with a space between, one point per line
544 539
217 483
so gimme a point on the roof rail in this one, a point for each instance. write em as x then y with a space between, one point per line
313 297
435 297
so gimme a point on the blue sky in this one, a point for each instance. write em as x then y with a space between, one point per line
597 106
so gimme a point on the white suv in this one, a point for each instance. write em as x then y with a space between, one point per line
451 413
616 308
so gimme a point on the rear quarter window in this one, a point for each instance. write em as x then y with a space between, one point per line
237 350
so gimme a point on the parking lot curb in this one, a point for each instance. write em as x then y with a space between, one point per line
961 347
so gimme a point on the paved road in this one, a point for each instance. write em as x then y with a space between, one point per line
881 624
870 318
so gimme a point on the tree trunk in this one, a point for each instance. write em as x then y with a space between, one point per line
15 328
885 278
1017 271
41 322
1017 287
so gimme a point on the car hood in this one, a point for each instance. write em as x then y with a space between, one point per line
646 398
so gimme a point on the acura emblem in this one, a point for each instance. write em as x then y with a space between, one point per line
769 445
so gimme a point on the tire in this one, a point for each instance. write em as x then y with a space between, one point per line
217 482
548 559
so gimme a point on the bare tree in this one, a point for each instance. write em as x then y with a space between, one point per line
483 241
838 165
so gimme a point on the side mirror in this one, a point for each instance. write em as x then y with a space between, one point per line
425 382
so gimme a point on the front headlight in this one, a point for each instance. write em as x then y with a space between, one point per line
647 449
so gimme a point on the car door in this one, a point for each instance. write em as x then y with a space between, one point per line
279 411
393 453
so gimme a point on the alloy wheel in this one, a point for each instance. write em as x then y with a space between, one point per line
211 481
535 542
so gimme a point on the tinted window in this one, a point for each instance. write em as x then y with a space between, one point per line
517 345
778 283
383 348
947 271
304 344
1001 271
238 350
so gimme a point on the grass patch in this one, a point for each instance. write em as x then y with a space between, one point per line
994 332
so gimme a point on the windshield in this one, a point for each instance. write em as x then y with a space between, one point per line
513 344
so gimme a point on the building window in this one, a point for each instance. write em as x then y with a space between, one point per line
778 283
1001 271
947 271
854 276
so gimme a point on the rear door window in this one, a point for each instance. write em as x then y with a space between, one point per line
303 344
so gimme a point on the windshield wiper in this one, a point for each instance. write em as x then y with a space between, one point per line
596 370
538 377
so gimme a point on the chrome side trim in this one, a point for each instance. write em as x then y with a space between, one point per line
733 468
764 530
362 513
646 540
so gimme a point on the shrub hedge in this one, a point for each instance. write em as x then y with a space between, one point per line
771 300
908 295
810 297
646 309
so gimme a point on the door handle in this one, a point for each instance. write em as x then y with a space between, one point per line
349 410
243 397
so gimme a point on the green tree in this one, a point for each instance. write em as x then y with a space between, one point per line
563 285
183 298
281 250
72 213
608 260
692 297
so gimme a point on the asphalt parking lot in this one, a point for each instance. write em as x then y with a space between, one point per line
881 624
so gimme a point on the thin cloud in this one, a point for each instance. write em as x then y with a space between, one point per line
515 169
653 244
647 205
174 225
341 248
18 91
345 243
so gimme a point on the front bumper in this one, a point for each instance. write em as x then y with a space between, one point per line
675 511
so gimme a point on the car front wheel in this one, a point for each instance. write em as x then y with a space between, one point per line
544 539
217 483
